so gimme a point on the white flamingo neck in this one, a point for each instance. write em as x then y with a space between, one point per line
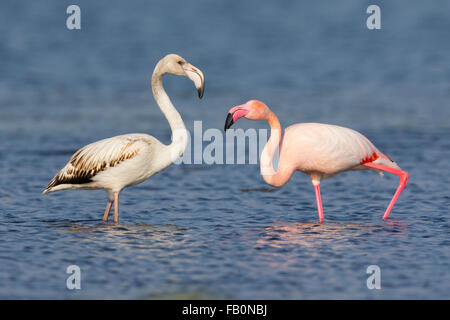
179 132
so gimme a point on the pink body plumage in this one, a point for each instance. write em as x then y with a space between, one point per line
318 150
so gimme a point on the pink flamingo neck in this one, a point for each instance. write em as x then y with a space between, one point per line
282 175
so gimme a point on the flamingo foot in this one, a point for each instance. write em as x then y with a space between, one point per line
319 203
107 210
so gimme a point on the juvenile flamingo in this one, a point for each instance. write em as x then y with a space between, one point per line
318 150
122 161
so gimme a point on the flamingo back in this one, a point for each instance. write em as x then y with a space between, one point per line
328 149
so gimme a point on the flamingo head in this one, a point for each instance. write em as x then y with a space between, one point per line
252 110
174 64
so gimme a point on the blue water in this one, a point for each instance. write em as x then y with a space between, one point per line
218 231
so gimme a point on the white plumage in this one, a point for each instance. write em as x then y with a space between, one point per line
122 161
112 164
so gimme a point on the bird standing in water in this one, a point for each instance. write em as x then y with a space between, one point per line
123 161
318 150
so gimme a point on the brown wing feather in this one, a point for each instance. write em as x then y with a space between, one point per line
94 158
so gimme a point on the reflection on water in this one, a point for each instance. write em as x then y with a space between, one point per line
140 236
115 229
307 234
262 189
395 223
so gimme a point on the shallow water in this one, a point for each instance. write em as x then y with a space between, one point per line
218 231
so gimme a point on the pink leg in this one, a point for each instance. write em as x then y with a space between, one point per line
107 210
319 203
116 207
404 176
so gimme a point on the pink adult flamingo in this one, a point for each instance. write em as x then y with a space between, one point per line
318 150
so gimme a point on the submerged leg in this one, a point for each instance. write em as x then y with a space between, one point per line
107 210
116 207
319 202
404 176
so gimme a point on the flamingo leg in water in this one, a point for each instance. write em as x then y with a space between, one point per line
319 203
404 176
107 210
116 207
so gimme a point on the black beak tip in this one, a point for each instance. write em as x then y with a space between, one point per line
229 122
200 93
201 90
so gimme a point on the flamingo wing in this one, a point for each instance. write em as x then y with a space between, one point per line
99 156
346 146
330 149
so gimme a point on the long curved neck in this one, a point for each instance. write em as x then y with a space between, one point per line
272 177
179 132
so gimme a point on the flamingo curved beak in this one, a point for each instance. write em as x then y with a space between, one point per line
235 113
196 76
229 121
